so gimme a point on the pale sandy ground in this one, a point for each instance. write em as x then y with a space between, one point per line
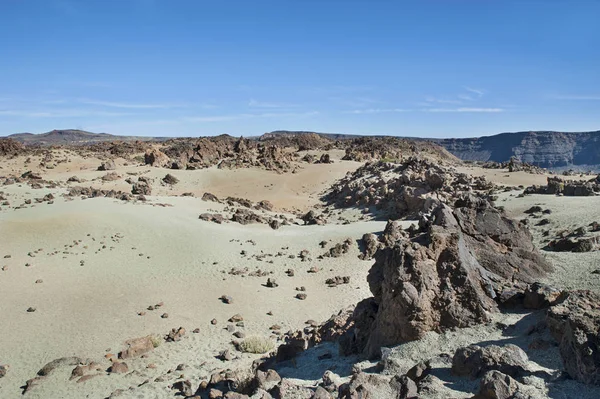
87 310
158 254
293 192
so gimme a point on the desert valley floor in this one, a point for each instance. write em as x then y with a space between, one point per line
82 274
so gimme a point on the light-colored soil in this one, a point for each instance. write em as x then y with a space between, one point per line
104 260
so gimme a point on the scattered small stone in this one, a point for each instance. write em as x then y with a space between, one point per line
31 310
164 316
225 355
119 368
226 299
213 322
301 296
236 318
271 283
239 334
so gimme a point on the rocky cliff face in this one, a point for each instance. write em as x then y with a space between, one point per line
545 149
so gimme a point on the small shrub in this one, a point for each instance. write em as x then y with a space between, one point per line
257 345
156 341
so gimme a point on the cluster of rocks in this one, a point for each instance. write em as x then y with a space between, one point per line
302 141
339 249
390 148
10 147
463 262
244 215
324 158
513 165
579 239
575 241
400 190
223 151
558 186
91 192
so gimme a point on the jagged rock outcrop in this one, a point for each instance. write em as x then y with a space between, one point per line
226 152
141 188
445 275
10 147
91 192
570 188
395 149
398 191
156 158
575 324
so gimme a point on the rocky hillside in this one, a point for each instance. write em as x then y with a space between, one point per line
544 149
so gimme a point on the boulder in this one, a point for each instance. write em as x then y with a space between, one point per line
156 158
141 188
370 245
212 217
170 179
210 197
107 165
119 368
474 361
540 296
496 385
311 218
575 324
447 275
137 347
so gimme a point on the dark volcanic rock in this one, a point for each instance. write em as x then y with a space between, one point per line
170 179
448 274
107 165
400 190
569 188
475 361
10 147
575 324
141 188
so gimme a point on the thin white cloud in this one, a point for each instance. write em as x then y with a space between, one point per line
577 97
479 92
261 104
442 100
376 110
464 109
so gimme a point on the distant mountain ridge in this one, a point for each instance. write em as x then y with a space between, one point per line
546 149
74 137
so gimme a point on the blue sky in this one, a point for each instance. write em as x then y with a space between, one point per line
444 68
